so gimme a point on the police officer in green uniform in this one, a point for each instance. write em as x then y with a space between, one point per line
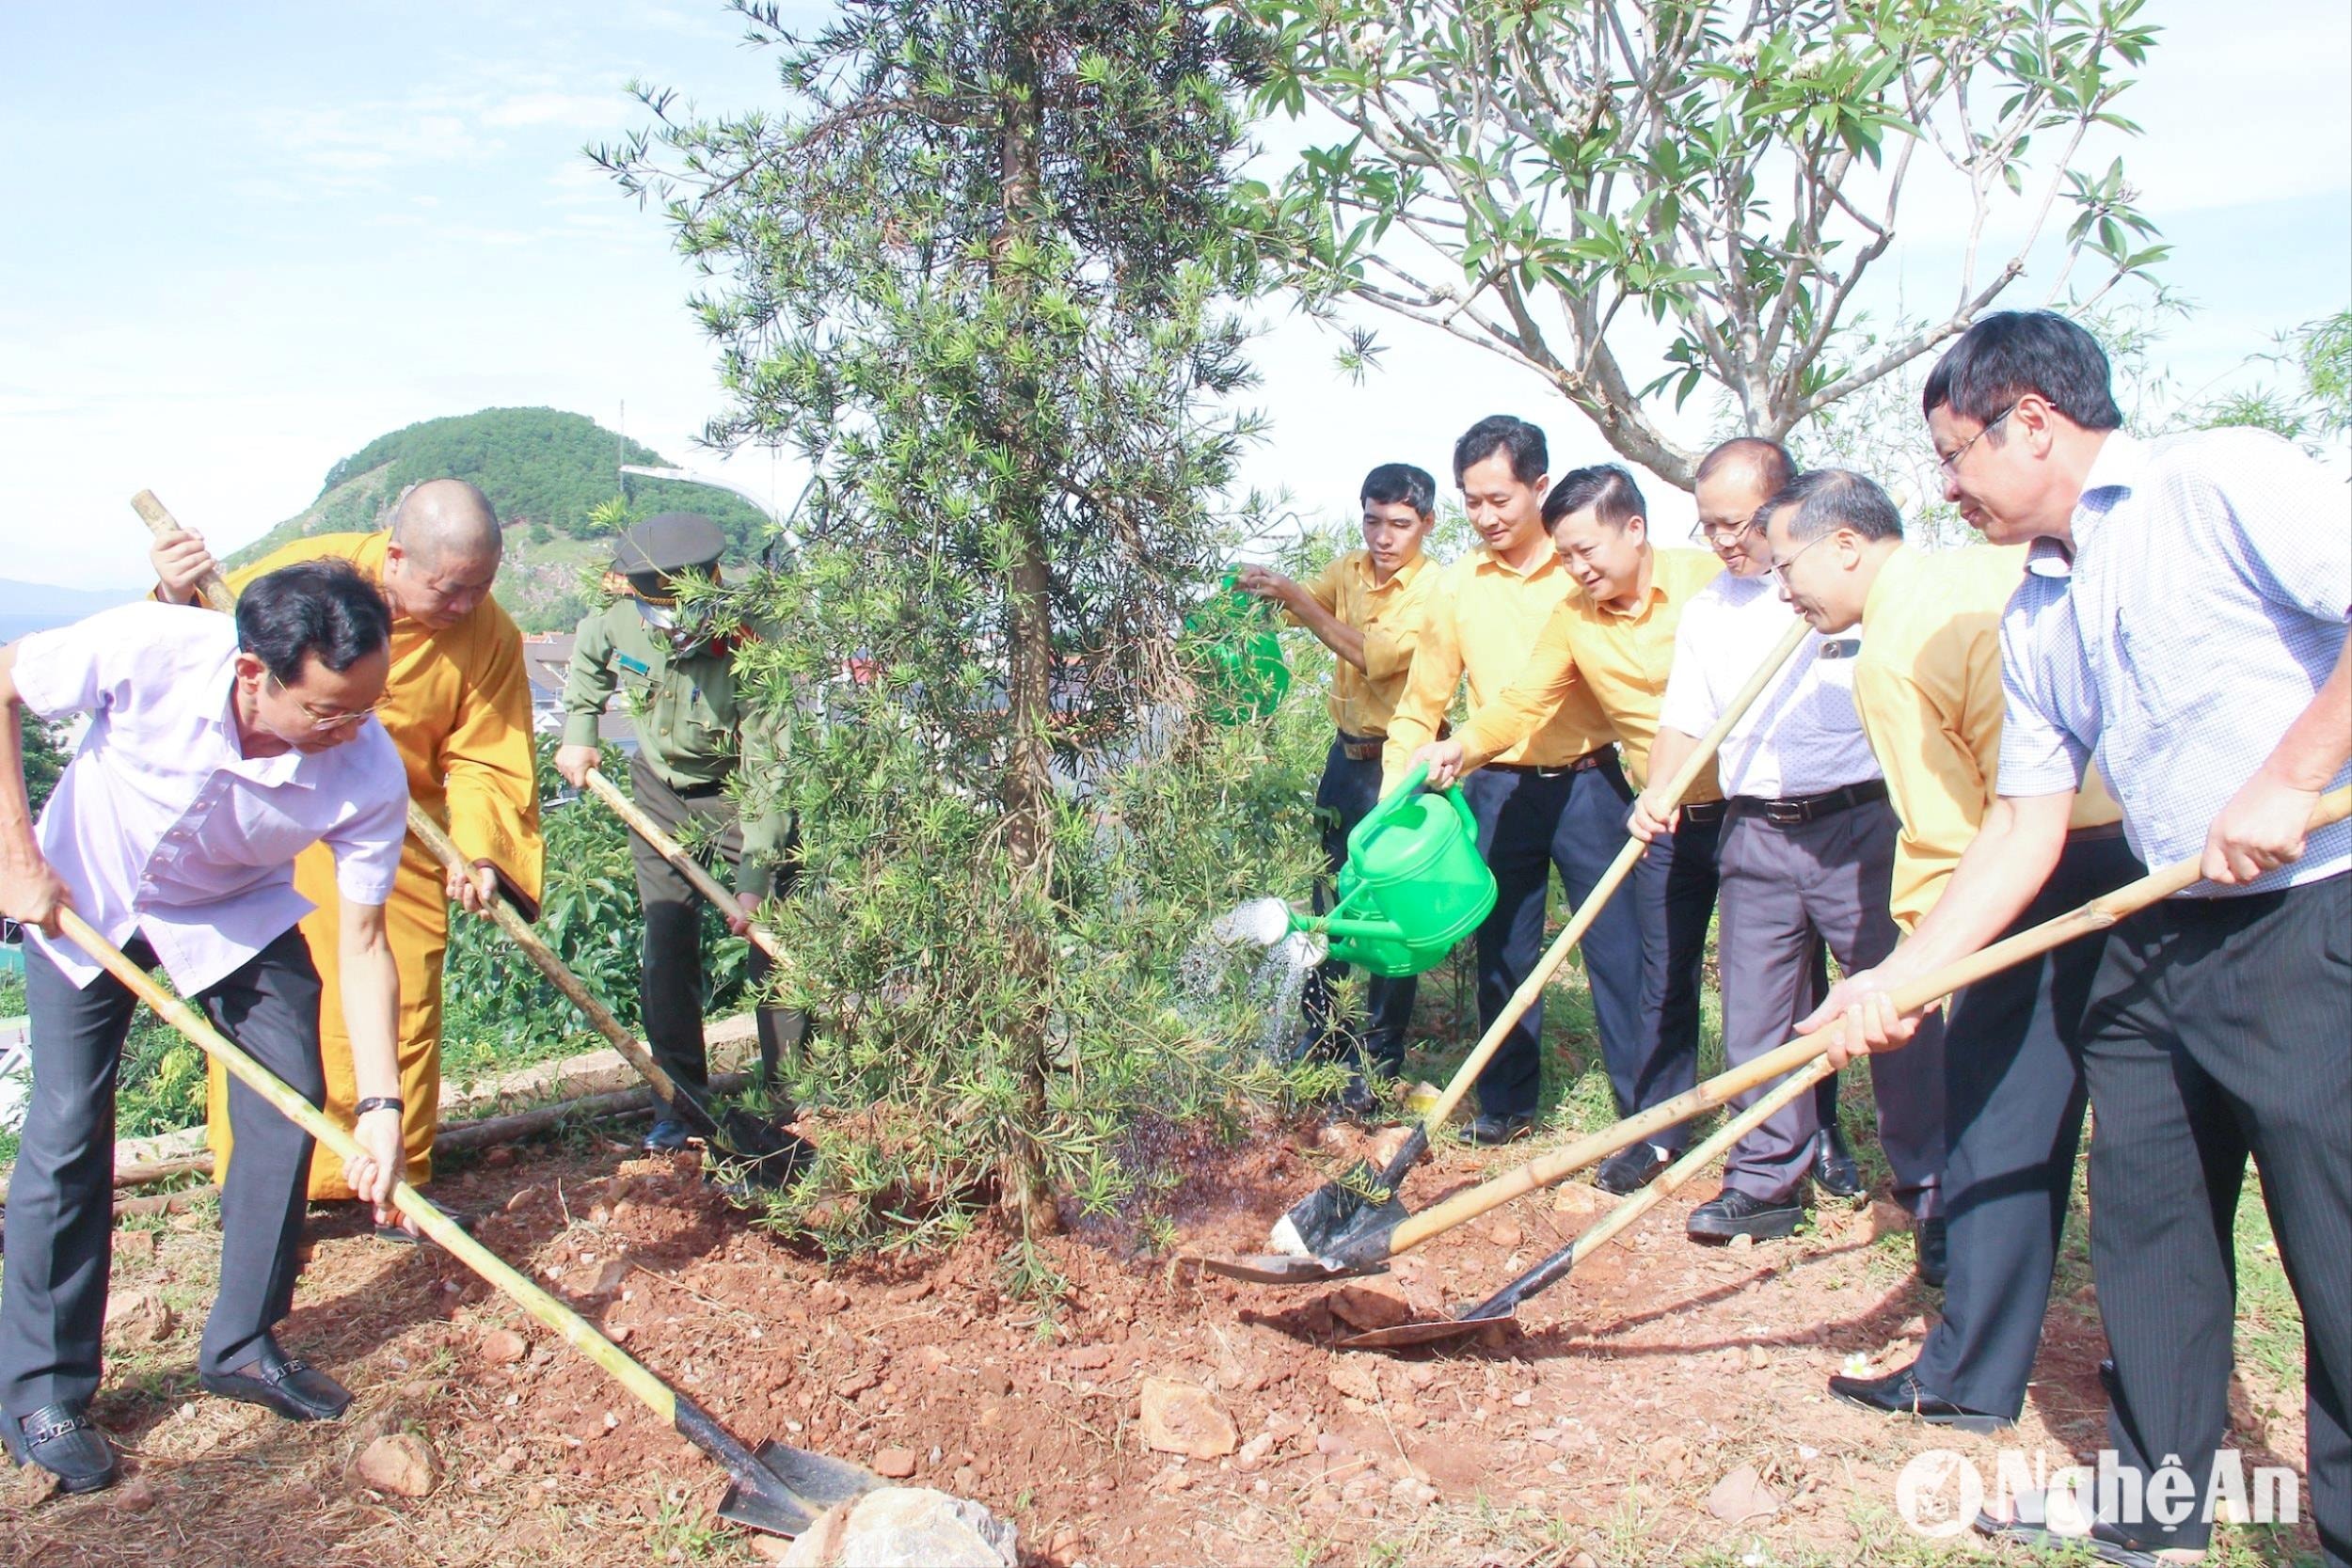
676 663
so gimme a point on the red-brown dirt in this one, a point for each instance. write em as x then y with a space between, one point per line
1594 1434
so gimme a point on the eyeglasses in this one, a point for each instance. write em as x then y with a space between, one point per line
1780 567
331 721
1726 534
1951 465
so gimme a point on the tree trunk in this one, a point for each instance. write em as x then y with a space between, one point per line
1028 788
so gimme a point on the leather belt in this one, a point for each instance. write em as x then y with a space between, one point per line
1561 771
1798 809
2094 833
1361 748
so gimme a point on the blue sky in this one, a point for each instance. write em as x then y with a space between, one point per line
246 238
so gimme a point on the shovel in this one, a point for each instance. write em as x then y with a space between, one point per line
777 1489
669 848
1384 1231
769 1156
1503 1305
1316 1223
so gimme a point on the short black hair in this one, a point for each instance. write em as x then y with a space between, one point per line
1828 499
322 610
1608 488
1530 457
2012 353
1768 460
1393 483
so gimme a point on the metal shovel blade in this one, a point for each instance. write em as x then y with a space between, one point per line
795 1482
1436 1331
769 1156
1330 1218
1281 1267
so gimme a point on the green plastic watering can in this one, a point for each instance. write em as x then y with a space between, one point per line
1237 655
1414 883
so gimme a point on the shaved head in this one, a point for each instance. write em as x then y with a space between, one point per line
443 554
444 521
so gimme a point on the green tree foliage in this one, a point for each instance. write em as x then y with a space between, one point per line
43 758
2314 406
1579 184
972 269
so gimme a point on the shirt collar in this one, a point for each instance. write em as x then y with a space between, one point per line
2114 474
1403 577
1545 561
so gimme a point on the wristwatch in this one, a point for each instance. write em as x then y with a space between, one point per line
377 1103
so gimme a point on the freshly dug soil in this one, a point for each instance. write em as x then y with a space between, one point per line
1597 1431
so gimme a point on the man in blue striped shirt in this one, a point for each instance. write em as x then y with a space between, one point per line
2185 622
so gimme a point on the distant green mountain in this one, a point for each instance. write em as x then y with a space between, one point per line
546 472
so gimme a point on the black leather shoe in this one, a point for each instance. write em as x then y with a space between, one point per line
1899 1393
286 1384
1358 1099
1493 1131
668 1135
1630 1170
1928 1238
1732 1212
1835 1172
61 1439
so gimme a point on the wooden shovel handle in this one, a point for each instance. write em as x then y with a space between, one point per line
437 842
1532 989
644 827
576 1330
2096 915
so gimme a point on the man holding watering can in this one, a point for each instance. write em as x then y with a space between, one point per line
1366 607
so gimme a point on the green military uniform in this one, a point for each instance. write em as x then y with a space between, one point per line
692 738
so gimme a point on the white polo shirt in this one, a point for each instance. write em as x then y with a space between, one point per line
162 827
1802 735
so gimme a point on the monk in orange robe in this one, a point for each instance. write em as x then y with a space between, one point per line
458 707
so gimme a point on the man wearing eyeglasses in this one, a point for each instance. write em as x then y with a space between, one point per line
217 754
457 705
1806 861
2185 620
1927 686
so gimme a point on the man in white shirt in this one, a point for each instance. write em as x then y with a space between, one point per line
216 751
1807 857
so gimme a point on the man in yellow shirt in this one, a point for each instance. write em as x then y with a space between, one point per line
1555 800
1615 640
1928 685
457 705
1366 607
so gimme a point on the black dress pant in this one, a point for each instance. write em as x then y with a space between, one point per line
2221 1027
52 1287
1349 790
669 960
2014 1107
1529 825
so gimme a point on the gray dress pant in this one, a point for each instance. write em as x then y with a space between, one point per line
670 992
53 1289
1784 887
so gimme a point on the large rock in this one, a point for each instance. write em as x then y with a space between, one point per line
905 1526
1183 1417
1741 1497
1369 1307
139 1318
399 1464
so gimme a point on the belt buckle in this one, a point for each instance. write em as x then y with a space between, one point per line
1786 813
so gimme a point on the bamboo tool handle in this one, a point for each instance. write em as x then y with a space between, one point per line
657 1394
644 827
437 842
1531 988
2096 915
